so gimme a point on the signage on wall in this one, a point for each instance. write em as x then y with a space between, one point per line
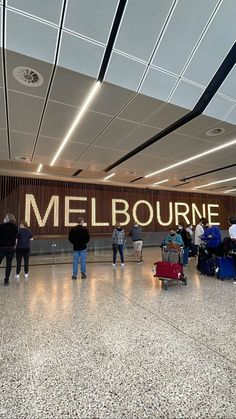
121 210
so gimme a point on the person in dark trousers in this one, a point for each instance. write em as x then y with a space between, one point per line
8 232
232 235
118 241
212 239
23 239
136 234
187 242
79 237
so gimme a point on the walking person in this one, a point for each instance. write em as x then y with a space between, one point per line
79 237
136 234
8 232
23 239
118 240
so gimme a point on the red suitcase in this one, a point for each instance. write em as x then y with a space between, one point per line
170 271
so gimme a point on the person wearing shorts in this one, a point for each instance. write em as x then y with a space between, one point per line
136 234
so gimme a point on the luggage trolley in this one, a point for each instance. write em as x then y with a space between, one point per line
170 269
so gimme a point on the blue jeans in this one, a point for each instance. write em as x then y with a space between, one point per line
115 249
82 256
185 255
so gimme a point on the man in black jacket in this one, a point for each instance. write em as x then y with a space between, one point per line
79 237
8 232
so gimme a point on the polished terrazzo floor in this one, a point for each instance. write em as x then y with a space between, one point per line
115 345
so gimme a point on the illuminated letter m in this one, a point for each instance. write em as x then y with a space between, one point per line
30 200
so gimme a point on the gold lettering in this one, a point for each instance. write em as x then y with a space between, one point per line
179 213
54 202
196 210
135 212
212 214
93 209
68 211
170 220
123 211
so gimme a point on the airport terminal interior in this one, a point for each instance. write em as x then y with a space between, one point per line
120 113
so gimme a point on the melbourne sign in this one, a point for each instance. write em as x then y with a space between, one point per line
65 210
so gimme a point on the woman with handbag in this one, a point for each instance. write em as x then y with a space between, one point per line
118 240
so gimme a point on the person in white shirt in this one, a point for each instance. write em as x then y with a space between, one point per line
199 231
232 235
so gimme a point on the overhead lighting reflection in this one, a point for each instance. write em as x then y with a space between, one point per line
230 190
39 168
215 183
197 156
109 176
81 112
161 181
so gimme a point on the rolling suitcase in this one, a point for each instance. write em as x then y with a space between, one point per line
225 268
167 271
206 265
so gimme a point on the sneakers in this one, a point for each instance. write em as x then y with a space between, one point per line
83 275
114 265
26 275
122 265
234 282
74 277
17 276
6 283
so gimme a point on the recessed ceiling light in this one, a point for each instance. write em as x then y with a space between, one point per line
21 158
197 156
27 76
215 131
215 183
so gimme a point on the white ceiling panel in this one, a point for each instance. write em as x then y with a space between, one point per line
91 18
100 155
124 72
139 108
228 134
184 28
222 158
0 25
166 116
158 84
70 87
114 133
232 116
89 127
3 156
2 108
110 99
3 141
198 125
145 163
21 144
35 38
186 95
218 107
24 112
228 87
140 135
14 60
214 46
137 37
48 10
57 120
48 146
80 55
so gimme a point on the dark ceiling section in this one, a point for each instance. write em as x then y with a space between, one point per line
112 38
51 78
207 173
77 172
135 180
5 75
204 100
181 184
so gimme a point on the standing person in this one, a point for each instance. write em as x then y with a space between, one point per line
136 234
232 235
189 230
79 237
23 238
118 240
199 231
186 240
8 232
212 238
172 237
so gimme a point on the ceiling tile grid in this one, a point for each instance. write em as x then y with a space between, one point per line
35 39
24 112
47 10
219 107
3 144
158 84
2 107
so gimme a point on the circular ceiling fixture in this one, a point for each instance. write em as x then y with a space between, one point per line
21 158
27 76
215 131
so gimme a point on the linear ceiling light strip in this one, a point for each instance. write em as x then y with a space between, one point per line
51 78
207 173
99 80
5 75
215 183
202 103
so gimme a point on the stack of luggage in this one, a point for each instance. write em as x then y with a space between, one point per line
171 267
211 265
206 262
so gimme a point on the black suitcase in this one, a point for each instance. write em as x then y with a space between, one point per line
206 265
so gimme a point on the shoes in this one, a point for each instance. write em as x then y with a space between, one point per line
26 275
6 283
234 282
17 276
122 265
74 277
114 265
83 275
139 261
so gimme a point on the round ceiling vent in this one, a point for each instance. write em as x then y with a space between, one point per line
28 76
21 158
215 131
